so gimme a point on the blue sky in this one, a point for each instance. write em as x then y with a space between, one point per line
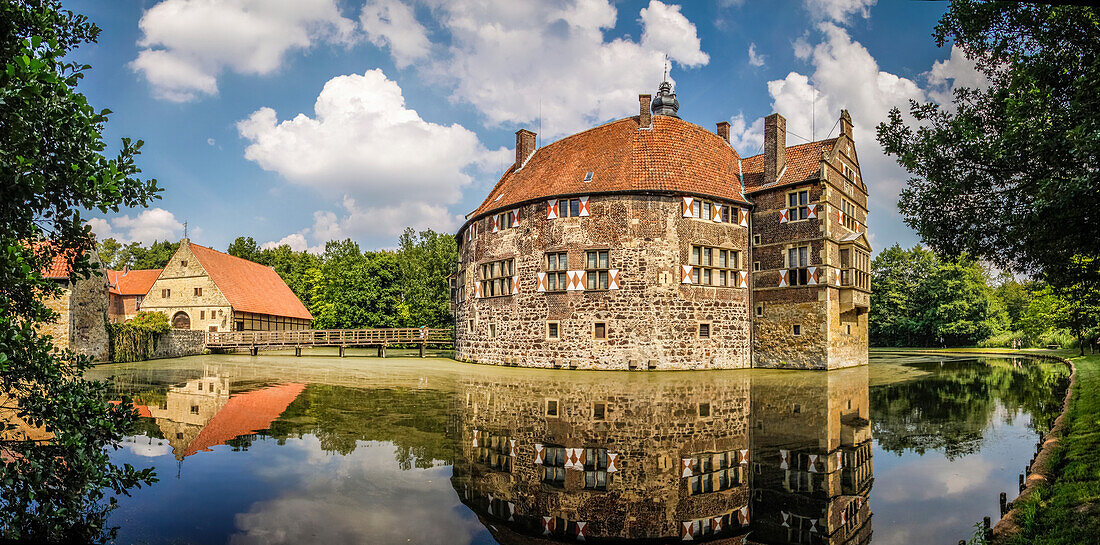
308 120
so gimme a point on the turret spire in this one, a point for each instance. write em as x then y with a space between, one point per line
665 102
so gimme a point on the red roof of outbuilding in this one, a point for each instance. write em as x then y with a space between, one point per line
245 413
250 287
672 156
803 161
135 282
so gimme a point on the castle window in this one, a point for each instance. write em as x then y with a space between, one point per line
714 266
756 265
704 330
556 265
854 268
796 329
706 213
599 410
494 451
553 466
198 292
798 261
797 205
599 330
704 410
470 326
588 176
202 314
553 330
849 210
697 209
756 240
715 471
166 293
551 407
760 310
849 328
596 269
595 468
194 409
183 263
496 278
568 208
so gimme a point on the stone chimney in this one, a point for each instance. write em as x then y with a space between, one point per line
525 146
775 147
845 123
724 130
645 117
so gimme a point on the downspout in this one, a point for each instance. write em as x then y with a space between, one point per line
752 279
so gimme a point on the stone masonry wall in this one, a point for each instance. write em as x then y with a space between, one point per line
177 343
651 317
209 309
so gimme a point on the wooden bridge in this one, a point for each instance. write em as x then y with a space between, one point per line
255 341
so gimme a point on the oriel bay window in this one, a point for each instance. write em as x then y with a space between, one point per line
798 261
496 278
596 269
556 265
714 266
798 205
855 266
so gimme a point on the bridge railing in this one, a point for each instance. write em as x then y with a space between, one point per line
329 337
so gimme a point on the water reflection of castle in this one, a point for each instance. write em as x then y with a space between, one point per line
201 413
762 457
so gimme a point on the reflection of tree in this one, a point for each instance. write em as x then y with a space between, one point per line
415 421
949 408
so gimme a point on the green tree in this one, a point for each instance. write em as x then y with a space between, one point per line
1008 173
244 248
1080 291
53 164
357 290
109 253
426 261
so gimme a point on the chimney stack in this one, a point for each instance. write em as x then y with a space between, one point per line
775 147
724 130
846 124
525 146
645 117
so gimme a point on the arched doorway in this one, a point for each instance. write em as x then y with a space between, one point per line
181 320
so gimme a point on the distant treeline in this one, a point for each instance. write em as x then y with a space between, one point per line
344 287
919 298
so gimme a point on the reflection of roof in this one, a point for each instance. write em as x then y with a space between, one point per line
245 413
674 156
135 282
802 164
250 287
143 410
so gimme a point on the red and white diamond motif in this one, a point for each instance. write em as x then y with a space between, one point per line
744 456
744 215
613 279
575 280
685 465
812 277
716 212
782 278
813 464
687 206
612 462
840 217
783 216
515 218
477 290
837 275
685 274
476 434
548 525
515 285
574 458
552 210
811 211
687 531
511 512
512 448
496 223
743 279
716 523
542 281
743 516
843 517
584 207
840 460
582 530
540 454
784 459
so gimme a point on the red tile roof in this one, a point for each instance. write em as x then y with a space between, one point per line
673 156
250 287
135 282
803 162
245 413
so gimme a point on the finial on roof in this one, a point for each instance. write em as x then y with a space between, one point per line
665 102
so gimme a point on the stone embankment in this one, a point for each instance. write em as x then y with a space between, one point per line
176 343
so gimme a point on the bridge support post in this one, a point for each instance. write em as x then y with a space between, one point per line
381 351
297 351
341 351
423 347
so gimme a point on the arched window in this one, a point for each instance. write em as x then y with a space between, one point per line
181 320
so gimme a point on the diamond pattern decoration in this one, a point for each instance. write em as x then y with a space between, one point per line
785 517
784 459
742 279
811 278
811 211
687 206
549 524
685 274
782 278
685 465
743 516
552 210
687 531
716 524
784 216
515 218
540 454
515 285
813 464
584 207
574 280
512 448
716 213
542 281
582 530
744 216
744 456
496 223
477 290
613 279
840 460
476 434
612 462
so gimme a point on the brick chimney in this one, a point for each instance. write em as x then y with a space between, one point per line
645 117
845 124
724 130
525 146
775 147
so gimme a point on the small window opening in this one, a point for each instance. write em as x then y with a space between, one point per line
183 263
796 329
198 292
552 330
756 239
492 331
551 407
194 409
756 265
704 331
599 410
797 408
759 310
704 410
600 330
588 176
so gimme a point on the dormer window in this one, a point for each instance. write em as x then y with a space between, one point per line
588 176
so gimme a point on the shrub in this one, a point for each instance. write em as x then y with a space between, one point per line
1005 340
136 338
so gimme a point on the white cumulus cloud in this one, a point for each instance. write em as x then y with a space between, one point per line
755 59
186 44
505 56
145 227
391 23
839 11
954 72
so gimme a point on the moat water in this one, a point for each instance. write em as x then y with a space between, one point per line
319 449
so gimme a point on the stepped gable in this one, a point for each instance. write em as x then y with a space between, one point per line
134 282
803 161
250 287
671 156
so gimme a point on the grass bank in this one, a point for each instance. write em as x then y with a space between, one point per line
1066 510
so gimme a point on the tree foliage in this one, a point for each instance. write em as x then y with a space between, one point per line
60 485
1009 173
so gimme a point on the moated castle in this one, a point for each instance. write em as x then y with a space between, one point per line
650 243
